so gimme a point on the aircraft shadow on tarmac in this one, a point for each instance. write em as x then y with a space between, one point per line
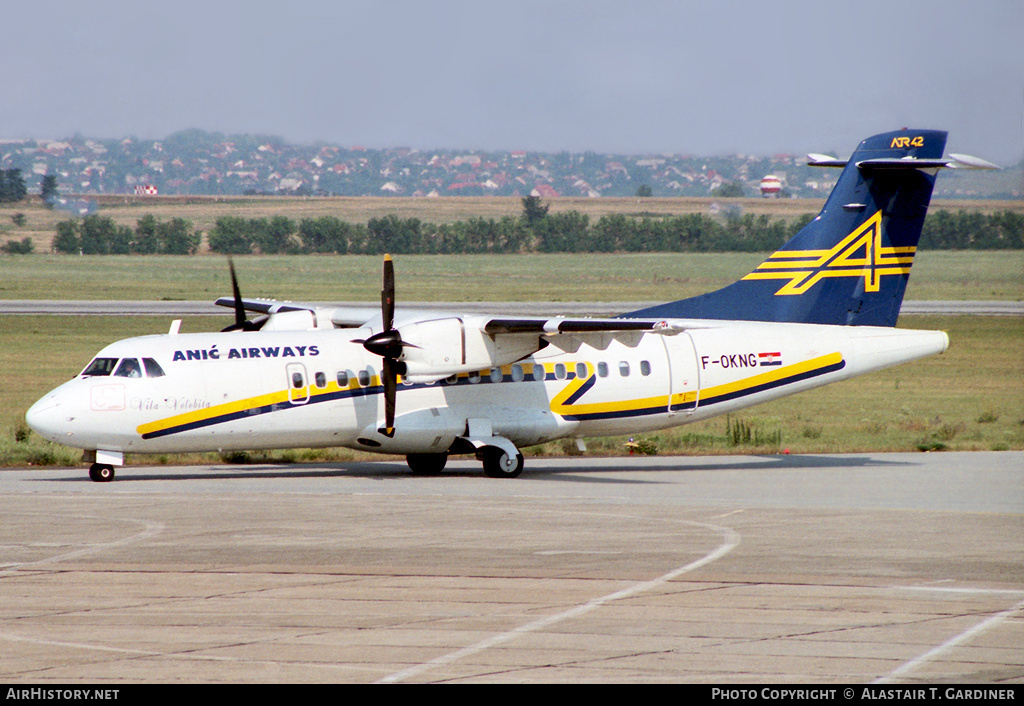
586 470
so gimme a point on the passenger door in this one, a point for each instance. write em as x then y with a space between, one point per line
298 383
684 375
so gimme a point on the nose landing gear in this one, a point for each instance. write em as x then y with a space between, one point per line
101 472
103 462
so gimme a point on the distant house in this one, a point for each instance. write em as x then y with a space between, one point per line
471 159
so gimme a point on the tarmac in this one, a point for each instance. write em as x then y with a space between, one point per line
786 569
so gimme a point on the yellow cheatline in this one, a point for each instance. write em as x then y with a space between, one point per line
213 411
243 405
811 365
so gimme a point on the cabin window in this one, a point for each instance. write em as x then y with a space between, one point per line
624 369
343 378
517 373
538 372
129 368
581 370
602 369
101 367
645 367
560 371
474 376
496 375
452 379
153 368
364 377
297 381
320 379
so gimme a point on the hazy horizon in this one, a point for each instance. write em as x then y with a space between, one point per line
569 76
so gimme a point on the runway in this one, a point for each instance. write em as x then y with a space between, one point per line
733 569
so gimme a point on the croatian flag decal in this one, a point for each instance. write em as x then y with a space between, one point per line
769 359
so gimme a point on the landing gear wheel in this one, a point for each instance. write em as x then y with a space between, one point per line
499 464
426 464
101 473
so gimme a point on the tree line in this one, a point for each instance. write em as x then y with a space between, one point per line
100 235
535 230
963 230
560 232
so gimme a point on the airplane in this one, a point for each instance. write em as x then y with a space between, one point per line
428 385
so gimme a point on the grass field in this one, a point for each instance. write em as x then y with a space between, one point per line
970 398
997 275
203 211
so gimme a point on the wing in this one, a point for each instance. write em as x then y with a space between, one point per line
354 316
305 315
440 346
562 325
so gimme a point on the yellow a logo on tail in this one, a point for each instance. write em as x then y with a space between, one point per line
860 254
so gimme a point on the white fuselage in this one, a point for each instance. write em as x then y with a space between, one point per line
321 387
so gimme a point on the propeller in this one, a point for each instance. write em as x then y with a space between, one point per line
388 345
242 323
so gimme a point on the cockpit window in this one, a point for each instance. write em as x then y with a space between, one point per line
129 368
100 366
153 368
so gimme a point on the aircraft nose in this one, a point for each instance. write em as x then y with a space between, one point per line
44 417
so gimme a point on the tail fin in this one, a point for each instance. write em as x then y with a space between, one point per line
850 265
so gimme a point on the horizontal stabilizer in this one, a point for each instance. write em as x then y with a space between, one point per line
966 161
824 160
954 161
903 163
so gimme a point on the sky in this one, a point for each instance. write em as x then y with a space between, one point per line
645 76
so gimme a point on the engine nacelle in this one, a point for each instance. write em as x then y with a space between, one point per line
423 431
442 347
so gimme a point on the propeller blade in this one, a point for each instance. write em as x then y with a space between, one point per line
239 308
241 322
390 380
388 345
387 294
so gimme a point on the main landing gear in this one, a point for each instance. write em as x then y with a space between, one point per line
426 464
498 463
